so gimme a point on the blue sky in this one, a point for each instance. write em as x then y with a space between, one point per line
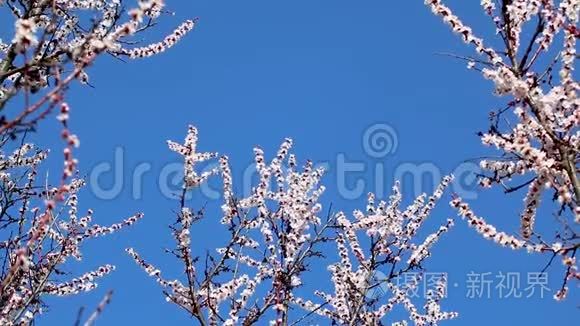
321 72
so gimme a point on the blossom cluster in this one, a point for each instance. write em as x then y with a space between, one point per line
53 44
392 252
46 232
537 132
57 37
275 233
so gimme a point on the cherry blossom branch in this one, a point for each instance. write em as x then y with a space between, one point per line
275 236
541 138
